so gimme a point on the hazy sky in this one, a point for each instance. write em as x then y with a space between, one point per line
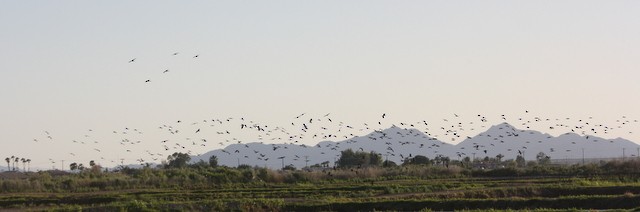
64 66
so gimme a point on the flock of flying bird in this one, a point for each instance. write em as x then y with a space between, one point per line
165 70
195 137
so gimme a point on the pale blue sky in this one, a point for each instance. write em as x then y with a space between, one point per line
64 64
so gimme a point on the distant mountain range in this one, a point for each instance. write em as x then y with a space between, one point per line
396 143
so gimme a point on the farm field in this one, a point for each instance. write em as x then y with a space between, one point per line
408 194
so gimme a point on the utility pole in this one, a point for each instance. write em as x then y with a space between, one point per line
306 161
282 163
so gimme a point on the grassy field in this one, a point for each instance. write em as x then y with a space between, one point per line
427 187
468 193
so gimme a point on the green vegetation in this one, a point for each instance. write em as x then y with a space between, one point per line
361 183
349 158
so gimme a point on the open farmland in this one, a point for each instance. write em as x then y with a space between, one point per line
259 189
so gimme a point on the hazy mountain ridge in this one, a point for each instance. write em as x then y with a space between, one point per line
397 143
508 140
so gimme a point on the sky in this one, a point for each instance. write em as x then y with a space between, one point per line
64 67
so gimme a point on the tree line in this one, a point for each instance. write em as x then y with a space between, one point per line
15 160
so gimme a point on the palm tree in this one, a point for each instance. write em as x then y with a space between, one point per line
24 162
14 163
73 166
28 165
8 163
